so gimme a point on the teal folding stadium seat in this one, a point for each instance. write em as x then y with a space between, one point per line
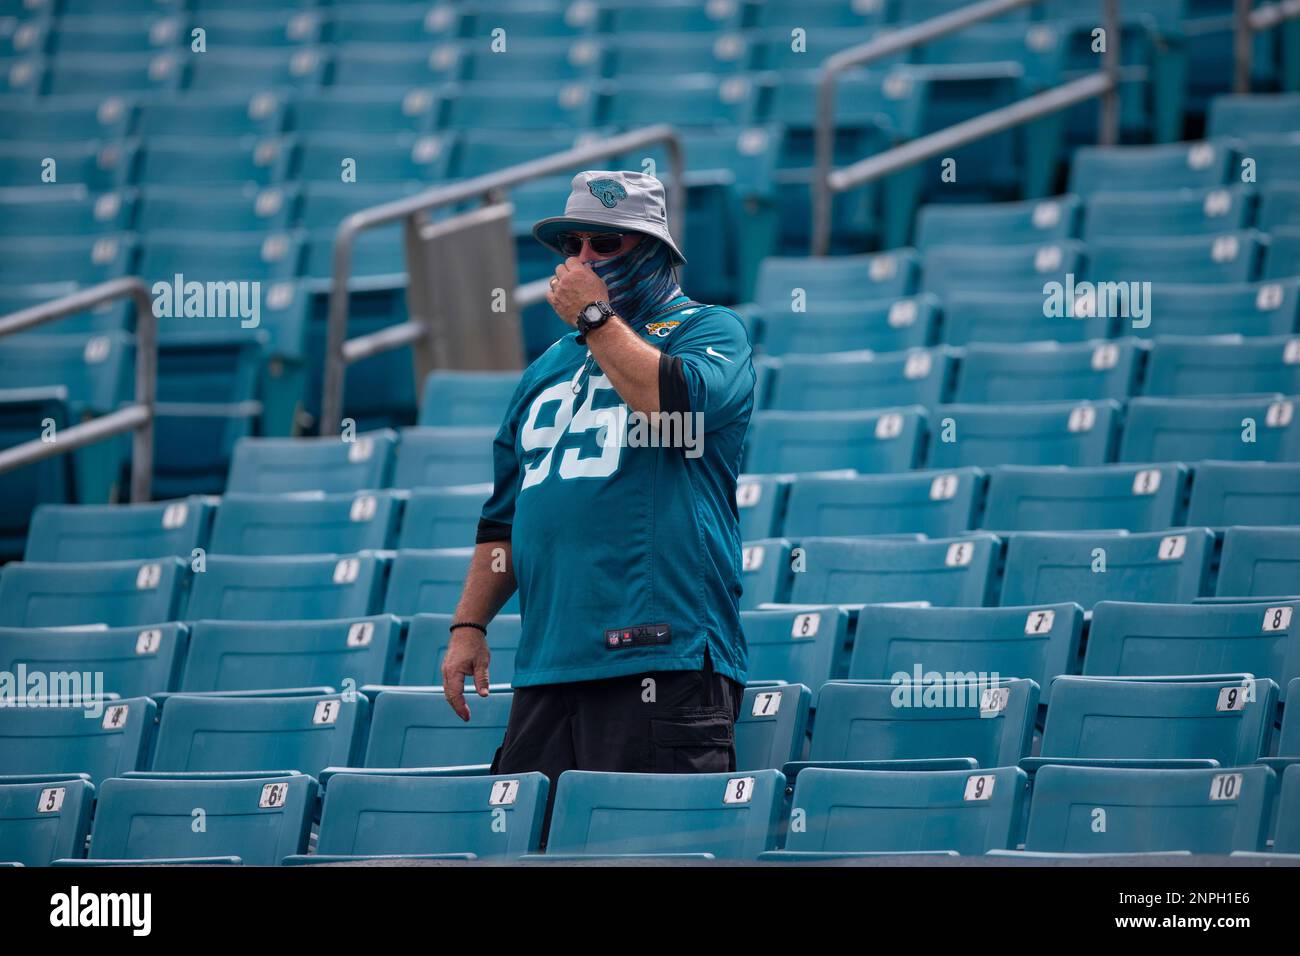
1223 365
202 734
1133 640
442 517
1286 838
676 16
1225 429
314 588
1034 643
1251 493
921 716
252 70
770 731
92 35
794 646
1282 256
236 26
24 414
693 99
228 116
948 269
1256 113
1260 562
867 441
275 466
116 593
431 457
1040 49
428 637
364 111
935 503
1014 318
761 500
528 19
834 280
245 209
764 572
1036 222
1048 372
552 58
264 257
397 65
852 812
1163 566
97 371
252 655
179 161
1143 811
86 260
854 380
1175 213
1110 497
74 73
45 820
134 661
466 398
1073 434
430 581
33 214
413 727
1278 207
105 740
331 524
816 15
78 120
413 815
398 158
950 572
255 820
676 53
884 325
1228 718
491 104
1224 257
118 532
727 815
391 23
1167 166
1274 156
480 151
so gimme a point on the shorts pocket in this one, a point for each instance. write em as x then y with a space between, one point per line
700 743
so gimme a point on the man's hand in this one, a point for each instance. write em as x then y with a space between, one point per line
467 656
574 285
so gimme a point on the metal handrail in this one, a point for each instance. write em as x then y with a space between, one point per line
137 417
827 181
340 352
1247 21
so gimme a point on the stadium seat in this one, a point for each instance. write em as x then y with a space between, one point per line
416 728
770 731
44 820
1014 318
1242 115
101 738
1005 224
442 517
133 661
1127 497
274 466
264 525
950 572
854 380
1245 493
787 284
1047 372
74 121
400 158
32 214
1225 429
1282 255
1074 434
438 457
252 655
392 65
1172 214
764 572
259 115
1223 365
84 260
118 532
794 646
1260 562
727 815
466 398
428 637
179 162
24 414
761 501
1278 207
1249 309
1274 156
948 269
541 105
314 587
884 325
1161 566
934 503
1143 811
852 812
1149 168
869 442
365 111
1286 839
115 593
431 581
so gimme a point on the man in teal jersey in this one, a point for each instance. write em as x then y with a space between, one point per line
613 510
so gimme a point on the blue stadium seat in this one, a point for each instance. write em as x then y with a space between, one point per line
116 593
834 280
1134 640
442 517
241 734
948 269
1250 493
1260 562
692 99
466 398
394 816
250 655
1223 365
400 158
252 820
1274 156
1034 221
1162 566
1074 434
677 16
1282 255
364 111
934 503
416 728
97 371
1013 318
1278 207
1259 112
85 260
433 457
133 661
428 637
238 209
493 104
761 499
1225 257
118 532
851 812
1048 372
315 587
1172 213
727 815
856 380
431 581
274 466
75 73
884 325
1111 497
180 161
44 821
24 415
392 65
104 739
259 115
31 213
950 572
770 731
267 258
1034 643
676 53
1287 837
868 442
1143 811
764 572
1226 429
1149 168
794 646
75 121
331 524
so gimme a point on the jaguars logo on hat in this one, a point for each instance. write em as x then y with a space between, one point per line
608 191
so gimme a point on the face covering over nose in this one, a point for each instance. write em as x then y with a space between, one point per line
640 280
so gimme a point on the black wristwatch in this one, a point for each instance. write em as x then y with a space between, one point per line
593 316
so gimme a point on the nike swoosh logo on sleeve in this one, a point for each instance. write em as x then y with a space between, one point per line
716 354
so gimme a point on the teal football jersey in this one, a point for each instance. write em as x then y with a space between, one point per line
626 541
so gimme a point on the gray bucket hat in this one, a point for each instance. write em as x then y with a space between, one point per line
620 201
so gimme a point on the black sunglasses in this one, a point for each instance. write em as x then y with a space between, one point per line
602 244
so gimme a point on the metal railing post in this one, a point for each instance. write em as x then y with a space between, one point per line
1108 133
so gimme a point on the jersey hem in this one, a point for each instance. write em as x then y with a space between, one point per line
640 665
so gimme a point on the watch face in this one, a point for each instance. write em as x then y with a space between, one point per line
591 313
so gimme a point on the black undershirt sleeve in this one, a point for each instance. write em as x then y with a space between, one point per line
492 531
673 394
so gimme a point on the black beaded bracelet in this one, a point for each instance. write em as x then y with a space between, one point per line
457 624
